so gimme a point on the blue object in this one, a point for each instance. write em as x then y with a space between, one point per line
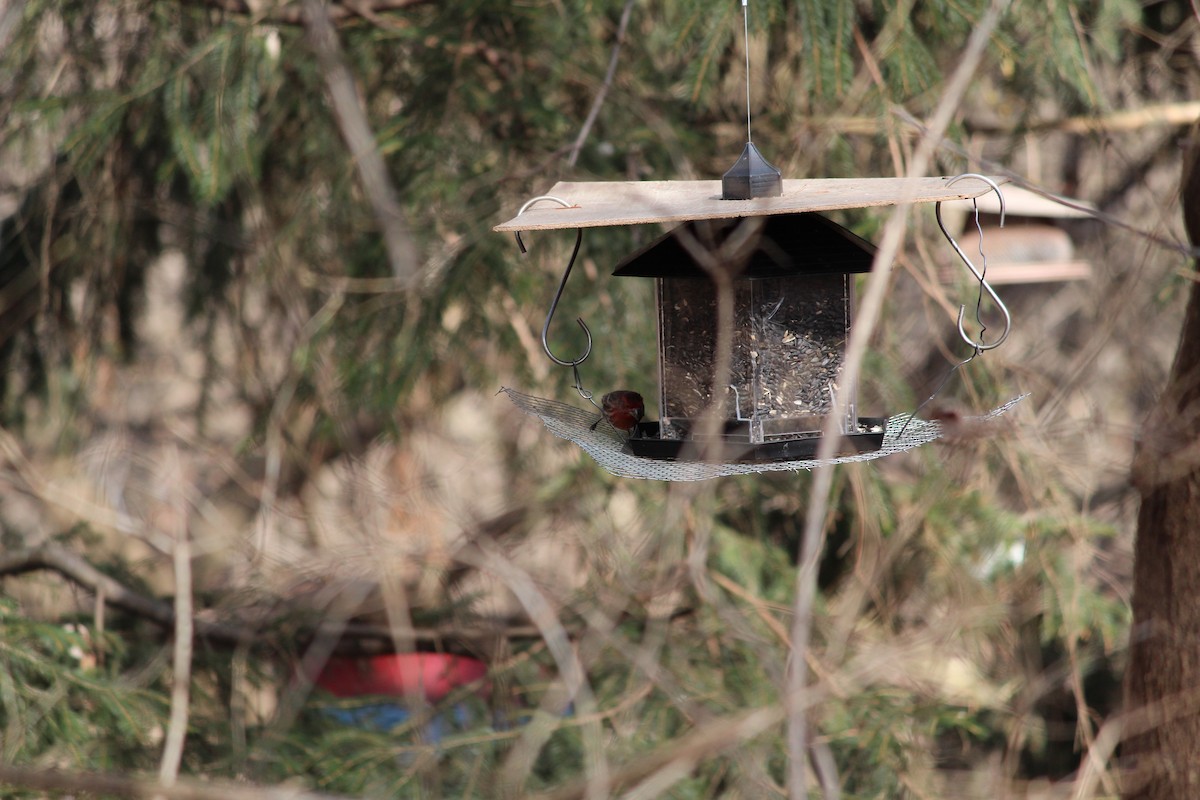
385 716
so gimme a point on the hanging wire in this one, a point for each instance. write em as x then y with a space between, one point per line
586 394
746 29
979 345
572 363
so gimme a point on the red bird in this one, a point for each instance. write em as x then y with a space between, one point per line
623 409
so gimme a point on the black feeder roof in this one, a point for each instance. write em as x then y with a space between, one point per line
788 245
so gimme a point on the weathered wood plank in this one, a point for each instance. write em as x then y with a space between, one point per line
608 203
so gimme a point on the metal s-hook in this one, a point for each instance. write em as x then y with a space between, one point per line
530 202
574 363
980 276
984 286
554 305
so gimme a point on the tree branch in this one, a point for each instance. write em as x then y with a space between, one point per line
681 756
356 131
290 14
56 558
604 87
1170 115
181 681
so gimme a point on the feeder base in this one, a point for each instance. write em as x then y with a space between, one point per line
646 442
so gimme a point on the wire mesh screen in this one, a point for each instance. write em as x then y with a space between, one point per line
606 445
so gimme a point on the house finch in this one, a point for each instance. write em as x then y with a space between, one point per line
623 409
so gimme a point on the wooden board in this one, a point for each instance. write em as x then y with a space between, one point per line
607 203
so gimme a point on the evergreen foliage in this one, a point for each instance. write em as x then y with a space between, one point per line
953 585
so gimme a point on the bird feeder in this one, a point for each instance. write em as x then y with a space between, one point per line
791 281
790 273
754 296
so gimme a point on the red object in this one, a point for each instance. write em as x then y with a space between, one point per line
431 675
623 409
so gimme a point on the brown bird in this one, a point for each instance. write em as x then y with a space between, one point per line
623 409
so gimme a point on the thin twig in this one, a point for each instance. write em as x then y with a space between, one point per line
760 606
594 111
814 528
315 657
293 15
716 736
356 131
1176 114
182 657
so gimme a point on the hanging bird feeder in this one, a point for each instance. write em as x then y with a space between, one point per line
791 273
755 297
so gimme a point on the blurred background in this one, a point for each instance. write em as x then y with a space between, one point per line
250 376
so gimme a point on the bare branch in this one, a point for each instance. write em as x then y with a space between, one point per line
1156 115
56 558
356 130
594 111
715 736
291 14
182 657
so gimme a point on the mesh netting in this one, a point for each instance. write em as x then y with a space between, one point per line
606 444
